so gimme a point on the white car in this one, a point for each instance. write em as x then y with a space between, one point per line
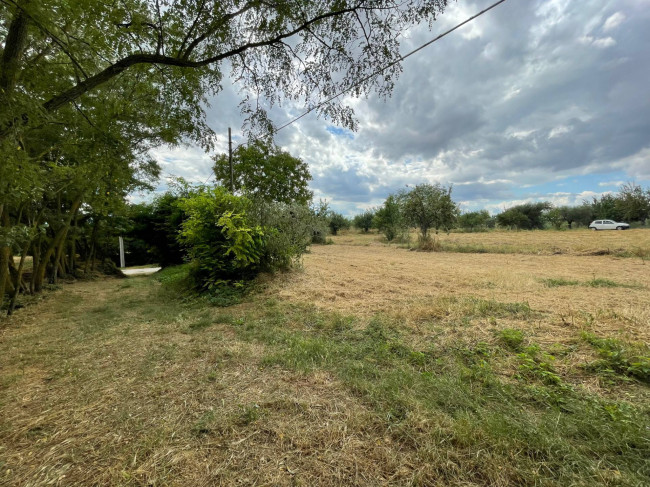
608 225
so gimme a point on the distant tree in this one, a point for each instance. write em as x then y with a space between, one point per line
555 217
633 203
473 220
337 222
364 220
389 219
428 206
605 207
581 215
513 218
266 172
533 216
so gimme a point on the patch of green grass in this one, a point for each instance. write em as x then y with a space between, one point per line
600 282
511 338
203 425
536 421
595 282
249 414
535 364
557 282
201 324
619 357
491 308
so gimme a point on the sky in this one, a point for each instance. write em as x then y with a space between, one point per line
533 101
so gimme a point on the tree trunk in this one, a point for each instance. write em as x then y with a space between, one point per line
58 240
19 278
5 255
13 52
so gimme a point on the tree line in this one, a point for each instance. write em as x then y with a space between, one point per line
429 207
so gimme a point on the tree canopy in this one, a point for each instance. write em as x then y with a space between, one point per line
267 172
429 206
293 49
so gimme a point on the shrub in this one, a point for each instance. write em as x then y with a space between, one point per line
364 220
219 240
388 219
229 239
288 229
474 220
337 222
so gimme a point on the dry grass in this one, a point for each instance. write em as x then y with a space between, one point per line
410 285
155 405
342 373
629 243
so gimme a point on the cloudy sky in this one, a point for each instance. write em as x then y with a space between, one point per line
535 100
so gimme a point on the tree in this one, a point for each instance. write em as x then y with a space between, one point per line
389 219
473 220
513 217
429 206
605 207
633 203
86 88
266 172
292 49
364 220
154 230
527 216
581 215
337 222
555 217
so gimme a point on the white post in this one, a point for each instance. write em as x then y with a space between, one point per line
122 263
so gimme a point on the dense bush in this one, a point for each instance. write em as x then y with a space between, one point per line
337 222
231 238
152 236
218 237
389 220
527 216
474 220
288 228
364 220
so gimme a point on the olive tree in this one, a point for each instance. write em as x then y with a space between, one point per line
428 206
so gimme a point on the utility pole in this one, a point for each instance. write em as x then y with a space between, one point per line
232 177
122 263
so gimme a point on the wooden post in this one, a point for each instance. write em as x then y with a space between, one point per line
122 263
232 177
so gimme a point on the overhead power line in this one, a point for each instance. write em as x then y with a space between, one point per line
375 73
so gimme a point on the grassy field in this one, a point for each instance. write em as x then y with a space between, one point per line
582 242
369 365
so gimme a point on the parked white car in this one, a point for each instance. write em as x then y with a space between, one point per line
608 225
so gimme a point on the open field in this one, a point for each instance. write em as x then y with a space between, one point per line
628 243
370 365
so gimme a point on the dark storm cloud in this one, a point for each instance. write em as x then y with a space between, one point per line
535 89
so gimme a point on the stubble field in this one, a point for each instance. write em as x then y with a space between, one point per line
369 365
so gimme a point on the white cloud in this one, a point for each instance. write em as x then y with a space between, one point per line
611 183
604 42
613 21
601 43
